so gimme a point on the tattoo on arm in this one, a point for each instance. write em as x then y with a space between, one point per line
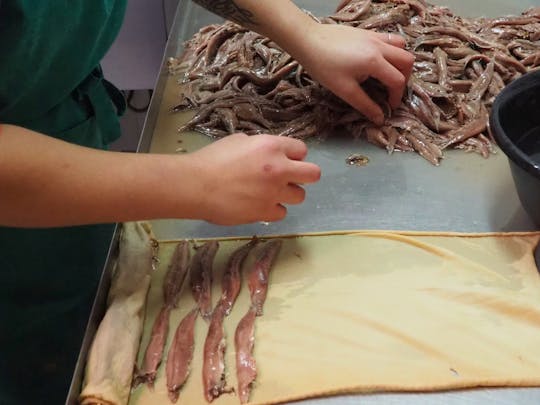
230 10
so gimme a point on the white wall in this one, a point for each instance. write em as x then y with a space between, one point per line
134 60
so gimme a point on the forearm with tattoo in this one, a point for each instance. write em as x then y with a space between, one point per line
230 10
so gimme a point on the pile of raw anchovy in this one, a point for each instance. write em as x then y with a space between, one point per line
243 82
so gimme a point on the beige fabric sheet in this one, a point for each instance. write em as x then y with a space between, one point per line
376 311
109 367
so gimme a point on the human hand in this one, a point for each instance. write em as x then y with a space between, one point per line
246 179
342 57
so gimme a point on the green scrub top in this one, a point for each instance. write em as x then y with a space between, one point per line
50 81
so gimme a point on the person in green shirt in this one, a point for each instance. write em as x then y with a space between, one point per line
61 190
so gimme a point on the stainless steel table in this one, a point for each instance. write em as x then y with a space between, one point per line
466 193
401 192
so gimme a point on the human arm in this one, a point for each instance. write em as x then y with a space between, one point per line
339 57
48 182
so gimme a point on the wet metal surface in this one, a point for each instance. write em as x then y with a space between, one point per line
403 192
466 193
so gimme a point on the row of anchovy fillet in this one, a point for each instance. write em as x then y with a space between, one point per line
240 81
200 269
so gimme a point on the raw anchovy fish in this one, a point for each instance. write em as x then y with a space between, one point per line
180 355
461 64
201 277
258 275
232 280
246 367
174 279
214 358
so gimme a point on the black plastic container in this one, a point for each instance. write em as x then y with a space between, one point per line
515 124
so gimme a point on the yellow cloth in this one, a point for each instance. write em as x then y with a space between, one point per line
377 311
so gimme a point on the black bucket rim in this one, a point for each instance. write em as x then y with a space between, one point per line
507 146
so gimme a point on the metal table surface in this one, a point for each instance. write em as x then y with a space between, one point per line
401 192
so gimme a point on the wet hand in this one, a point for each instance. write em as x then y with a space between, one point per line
246 179
342 57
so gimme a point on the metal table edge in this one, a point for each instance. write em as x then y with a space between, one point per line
96 315
100 302
471 396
